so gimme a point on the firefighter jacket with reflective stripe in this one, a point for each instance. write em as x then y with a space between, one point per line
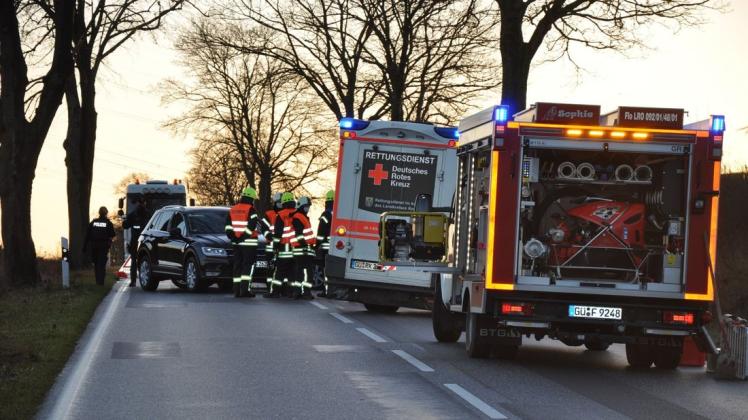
303 240
268 225
284 232
323 230
241 224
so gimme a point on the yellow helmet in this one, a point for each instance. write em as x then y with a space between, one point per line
330 196
287 197
249 192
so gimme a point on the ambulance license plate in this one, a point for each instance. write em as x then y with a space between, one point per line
364 265
595 312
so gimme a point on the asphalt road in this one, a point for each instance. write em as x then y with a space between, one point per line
172 354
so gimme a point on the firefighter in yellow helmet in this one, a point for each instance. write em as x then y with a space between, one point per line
284 262
323 242
303 243
241 229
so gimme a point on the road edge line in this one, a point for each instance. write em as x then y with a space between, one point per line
341 318
423 367
475 401
319 305
371 335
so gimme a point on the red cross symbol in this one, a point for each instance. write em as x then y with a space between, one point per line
378 174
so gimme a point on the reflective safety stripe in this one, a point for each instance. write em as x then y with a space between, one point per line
253 216
325 245
237 279
228 227
324 219
248 243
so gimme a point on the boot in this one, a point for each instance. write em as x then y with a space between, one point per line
235 288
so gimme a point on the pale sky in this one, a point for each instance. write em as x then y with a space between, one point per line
702 70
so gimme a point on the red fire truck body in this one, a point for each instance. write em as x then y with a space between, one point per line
585 228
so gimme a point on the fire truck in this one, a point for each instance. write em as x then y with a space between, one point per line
586 228
384 168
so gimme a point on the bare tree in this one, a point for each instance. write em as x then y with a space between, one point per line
100 29
22 135
216 177
134 177
433 56
597 24
254 105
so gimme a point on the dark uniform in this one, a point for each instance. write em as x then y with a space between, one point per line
136 222
323 246
98 241
303 243
241 225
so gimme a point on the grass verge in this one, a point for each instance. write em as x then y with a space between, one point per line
39 328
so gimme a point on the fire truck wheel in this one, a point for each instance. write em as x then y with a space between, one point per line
639 356
667 358
381 309
447 328
477 346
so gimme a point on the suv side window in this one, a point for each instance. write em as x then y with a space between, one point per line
162 221
177 222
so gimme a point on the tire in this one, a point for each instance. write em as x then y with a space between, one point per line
145 275
597 345
191 276
666 357
447 328
639 356
477 347
381 309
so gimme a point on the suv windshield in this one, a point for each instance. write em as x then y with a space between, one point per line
209 221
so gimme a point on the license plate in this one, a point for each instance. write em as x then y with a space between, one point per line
261 264
364 265
596 312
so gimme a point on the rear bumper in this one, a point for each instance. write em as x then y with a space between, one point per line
641 318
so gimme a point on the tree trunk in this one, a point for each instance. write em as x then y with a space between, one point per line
80 146
265 190
515 56
19 254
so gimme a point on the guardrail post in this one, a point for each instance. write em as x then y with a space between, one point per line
65 263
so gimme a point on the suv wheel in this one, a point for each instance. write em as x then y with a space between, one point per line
192 275
145 274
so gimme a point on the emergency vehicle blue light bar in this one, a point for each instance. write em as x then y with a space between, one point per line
501 114
718 123
448 132
353 124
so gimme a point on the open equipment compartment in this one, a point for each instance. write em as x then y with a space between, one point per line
598 214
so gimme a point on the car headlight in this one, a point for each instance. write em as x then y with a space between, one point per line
216 252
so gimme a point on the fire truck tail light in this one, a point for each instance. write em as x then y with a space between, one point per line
596 133
640 136
718 124
512 308
574 132
339 245
682 318
341 231
617 134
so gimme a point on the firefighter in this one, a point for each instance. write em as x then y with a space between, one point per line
241 228
284 263
268 231
323 240
303 243
98 241
135 221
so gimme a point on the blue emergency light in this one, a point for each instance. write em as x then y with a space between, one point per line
353 124
501 114
718 123
448 132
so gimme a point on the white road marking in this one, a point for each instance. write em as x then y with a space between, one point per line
69 393
423 367
475 401
341 318
319 305
371 335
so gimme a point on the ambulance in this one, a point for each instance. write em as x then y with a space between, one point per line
384 168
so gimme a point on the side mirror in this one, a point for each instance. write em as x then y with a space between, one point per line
121 204
175 233
192 202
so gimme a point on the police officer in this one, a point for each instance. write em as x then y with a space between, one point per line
241 229
284 267
323 240
98 240
303 243
135 221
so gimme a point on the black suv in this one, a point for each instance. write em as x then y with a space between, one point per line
189 246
